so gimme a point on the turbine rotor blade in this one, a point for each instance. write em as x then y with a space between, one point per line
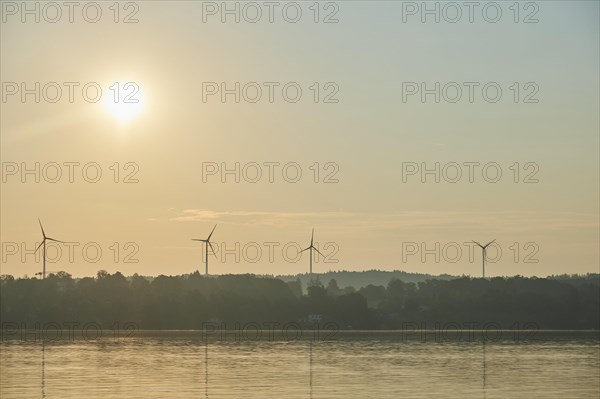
211 248
312 237
305 249
41 227
319 252
486 245
197 239
478 244
52 239
211 233
41 243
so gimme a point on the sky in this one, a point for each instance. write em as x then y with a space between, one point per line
356 156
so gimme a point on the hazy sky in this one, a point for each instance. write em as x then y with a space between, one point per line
373 217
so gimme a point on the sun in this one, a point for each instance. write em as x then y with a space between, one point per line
124 100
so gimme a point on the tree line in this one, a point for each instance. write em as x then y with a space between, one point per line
188 301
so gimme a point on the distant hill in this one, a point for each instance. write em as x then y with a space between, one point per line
359 279
594 277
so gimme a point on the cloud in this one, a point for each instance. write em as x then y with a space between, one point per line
489 224
259 217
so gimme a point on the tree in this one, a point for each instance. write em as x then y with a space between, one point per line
316 291
333 289
102 274
295 287
374 294
64 275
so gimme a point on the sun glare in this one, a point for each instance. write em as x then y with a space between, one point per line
124 100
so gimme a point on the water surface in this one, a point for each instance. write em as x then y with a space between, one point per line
370 364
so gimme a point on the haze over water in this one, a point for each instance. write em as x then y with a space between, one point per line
377 365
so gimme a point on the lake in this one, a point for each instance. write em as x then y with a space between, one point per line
359 365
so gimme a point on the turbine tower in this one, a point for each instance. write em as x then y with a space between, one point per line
43 243
206 245
311 247
483 250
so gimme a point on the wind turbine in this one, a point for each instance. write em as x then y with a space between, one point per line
311 247
206 245
483 250
43 243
